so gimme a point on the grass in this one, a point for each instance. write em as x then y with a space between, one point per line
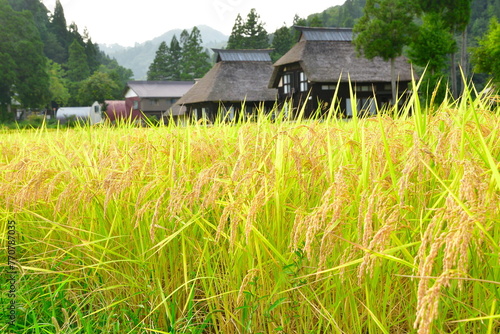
377 225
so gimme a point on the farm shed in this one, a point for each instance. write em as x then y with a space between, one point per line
238 76
156 98
91 114
325 57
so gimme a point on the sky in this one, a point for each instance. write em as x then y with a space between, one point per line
127 22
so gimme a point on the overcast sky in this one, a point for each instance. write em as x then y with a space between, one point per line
127 22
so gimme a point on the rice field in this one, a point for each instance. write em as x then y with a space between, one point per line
376 225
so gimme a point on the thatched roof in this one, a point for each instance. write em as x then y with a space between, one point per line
326 60
239 75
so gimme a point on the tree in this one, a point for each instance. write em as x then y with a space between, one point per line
456 16
98 87
119 74
77 70
282 42
486 57
315 21
58 88
384 29
158 68
249 34
236 38
22 62
432 44
298 21
58 27
7 79
167 63
254 32
78 67
174 57
195 60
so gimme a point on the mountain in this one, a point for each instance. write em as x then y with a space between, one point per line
141 55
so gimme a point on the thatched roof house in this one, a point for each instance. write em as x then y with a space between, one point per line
238 76
321 59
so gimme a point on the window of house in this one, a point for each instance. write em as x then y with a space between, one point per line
136 105
155 102
363 107
364 88
230 113
328 87
287 83
367 106
303 82
204 113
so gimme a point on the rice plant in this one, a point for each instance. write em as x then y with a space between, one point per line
375 225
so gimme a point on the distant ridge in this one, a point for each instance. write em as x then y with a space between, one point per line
141 55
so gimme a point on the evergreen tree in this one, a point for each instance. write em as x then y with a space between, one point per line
237 34
249 34
385 28
92 52
159 67
195 60
77 70
62 40
255 34
77 67
174 57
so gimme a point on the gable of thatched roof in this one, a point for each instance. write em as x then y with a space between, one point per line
239 75
325 55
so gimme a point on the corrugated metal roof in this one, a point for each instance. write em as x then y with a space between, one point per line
243 55
325 34
153 89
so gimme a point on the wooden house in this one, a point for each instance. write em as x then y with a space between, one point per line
238 78
156 98
326 57
91 114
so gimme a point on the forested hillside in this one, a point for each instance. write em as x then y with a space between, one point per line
46 62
